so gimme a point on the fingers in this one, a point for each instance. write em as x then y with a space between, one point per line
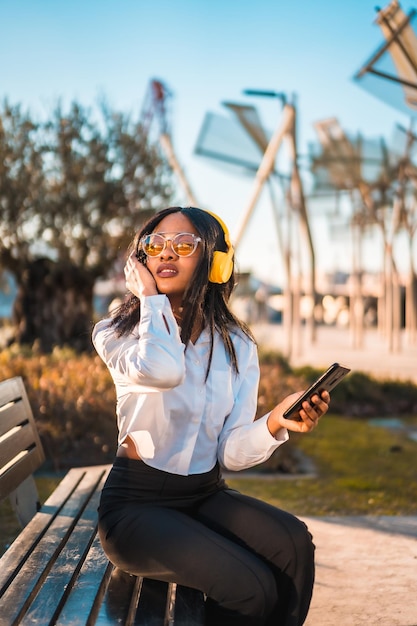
309 415
139 279
312 411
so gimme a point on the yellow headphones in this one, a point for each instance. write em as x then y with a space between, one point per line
222 265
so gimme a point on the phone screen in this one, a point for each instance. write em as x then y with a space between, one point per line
326 382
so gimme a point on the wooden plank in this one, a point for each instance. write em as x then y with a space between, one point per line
18 553
11 389
24 586
12 414
26 466
118 605
154 604
49 601
84 601
24 459
189 607
21 451
19 440
57 573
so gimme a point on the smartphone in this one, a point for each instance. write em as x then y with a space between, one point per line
326 382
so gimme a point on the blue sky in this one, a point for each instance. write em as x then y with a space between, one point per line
206 51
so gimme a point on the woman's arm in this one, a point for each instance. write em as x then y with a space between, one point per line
152 355
244 442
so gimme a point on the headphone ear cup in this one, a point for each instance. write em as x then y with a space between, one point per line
222 264
221 267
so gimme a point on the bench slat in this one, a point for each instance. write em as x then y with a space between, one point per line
29 579
154 604
51 597
24 465
86 595
15 407
189 607
21 451
27 465
118 605
20 550
11 389
12 414
57 573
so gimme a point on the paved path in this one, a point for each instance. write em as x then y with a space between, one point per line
334 344
366 571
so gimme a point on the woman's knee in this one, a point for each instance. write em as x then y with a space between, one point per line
303 539
250 592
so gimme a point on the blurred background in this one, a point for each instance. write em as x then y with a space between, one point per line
292 121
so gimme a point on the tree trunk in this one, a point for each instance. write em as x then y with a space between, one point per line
54 306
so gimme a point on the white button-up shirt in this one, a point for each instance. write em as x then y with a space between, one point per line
178 421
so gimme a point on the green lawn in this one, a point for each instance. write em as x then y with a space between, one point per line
361 469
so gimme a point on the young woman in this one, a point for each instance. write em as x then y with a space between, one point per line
186 374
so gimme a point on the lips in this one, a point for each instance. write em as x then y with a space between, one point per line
167 270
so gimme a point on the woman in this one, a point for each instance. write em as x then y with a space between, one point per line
186 374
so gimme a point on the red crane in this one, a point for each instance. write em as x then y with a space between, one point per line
155 106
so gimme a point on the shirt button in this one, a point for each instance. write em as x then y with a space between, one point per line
196 362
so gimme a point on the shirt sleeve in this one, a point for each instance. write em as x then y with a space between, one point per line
244 442
152 355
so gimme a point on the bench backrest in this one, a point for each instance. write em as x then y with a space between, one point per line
21 451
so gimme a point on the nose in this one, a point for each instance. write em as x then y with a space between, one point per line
168 252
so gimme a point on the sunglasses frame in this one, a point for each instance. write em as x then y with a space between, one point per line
195 238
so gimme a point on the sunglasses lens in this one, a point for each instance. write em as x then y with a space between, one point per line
184 244
153 245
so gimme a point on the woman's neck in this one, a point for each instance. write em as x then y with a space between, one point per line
177 309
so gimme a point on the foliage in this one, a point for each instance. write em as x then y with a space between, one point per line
73 402
73 191
75 186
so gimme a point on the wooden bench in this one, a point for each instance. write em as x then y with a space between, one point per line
55 572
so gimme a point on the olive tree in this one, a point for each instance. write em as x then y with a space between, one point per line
73 190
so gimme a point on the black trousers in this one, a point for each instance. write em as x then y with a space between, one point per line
254 562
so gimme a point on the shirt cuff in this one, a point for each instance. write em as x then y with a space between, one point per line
265 437
156 314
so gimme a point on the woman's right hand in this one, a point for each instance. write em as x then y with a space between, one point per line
139 279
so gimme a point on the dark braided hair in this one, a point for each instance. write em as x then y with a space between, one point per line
204 300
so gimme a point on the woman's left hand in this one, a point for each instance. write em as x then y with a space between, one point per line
310 414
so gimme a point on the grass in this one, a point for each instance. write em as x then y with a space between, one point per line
361 470
9 526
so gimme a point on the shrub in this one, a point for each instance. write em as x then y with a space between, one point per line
73 402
